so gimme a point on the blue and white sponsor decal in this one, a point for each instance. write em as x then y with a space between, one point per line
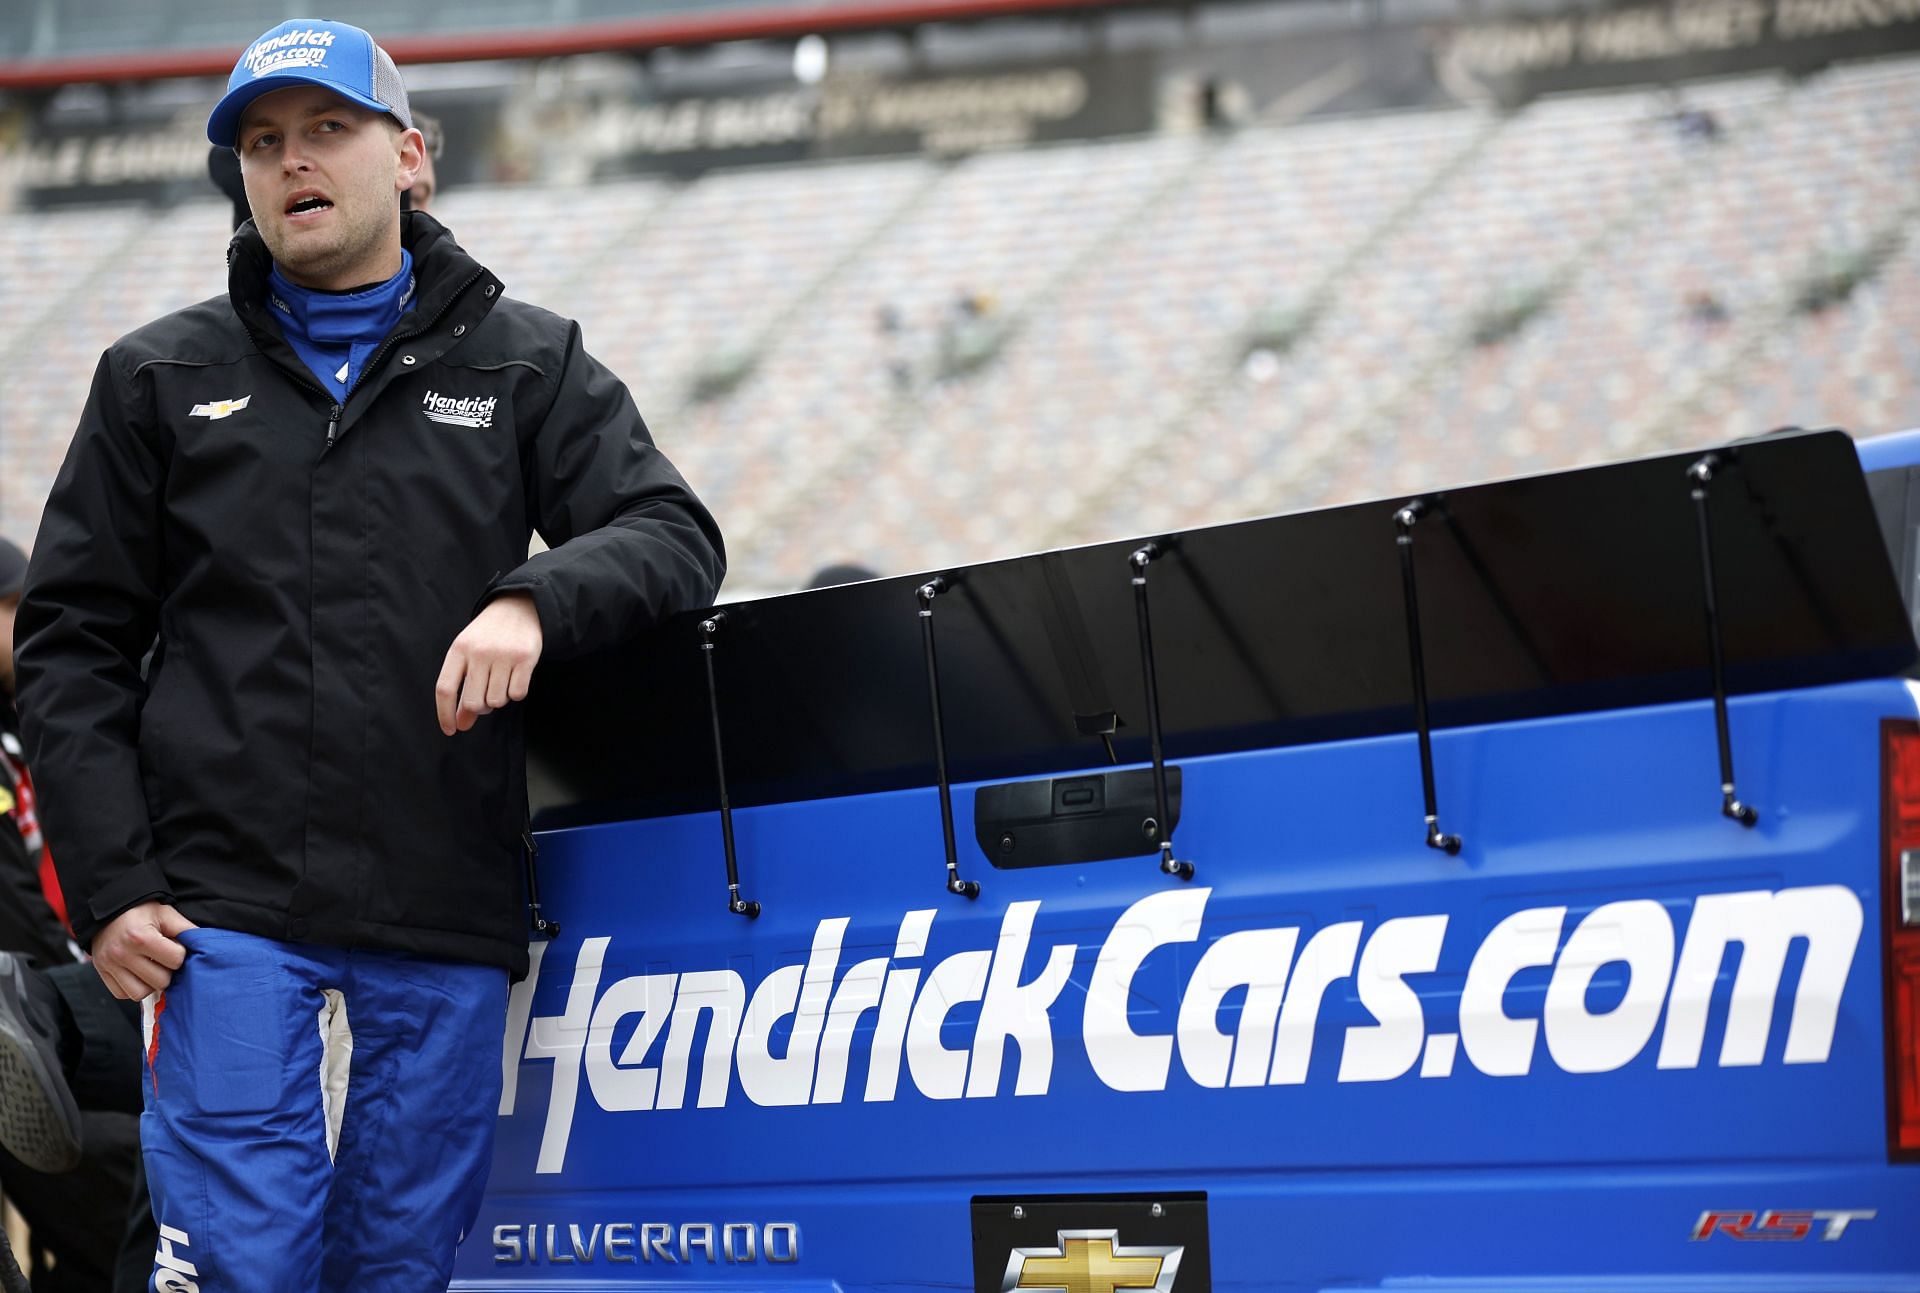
813 1012
290 51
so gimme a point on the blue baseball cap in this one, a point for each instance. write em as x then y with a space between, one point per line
336 56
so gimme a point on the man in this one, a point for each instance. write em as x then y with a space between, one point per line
302 833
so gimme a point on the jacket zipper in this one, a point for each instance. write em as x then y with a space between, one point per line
335 410
395 338
304 380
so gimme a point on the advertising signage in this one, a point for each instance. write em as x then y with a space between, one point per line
532 134
575 119
1514 60
945 114
120 161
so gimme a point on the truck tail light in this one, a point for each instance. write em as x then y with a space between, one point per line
1900 899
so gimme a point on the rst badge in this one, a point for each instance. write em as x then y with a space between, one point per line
1787 1224
1091 1244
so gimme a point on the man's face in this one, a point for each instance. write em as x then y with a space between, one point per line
8 605
424 184
324 178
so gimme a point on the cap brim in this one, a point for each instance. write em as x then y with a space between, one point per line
223 127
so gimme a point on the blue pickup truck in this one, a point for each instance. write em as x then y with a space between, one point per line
1514 887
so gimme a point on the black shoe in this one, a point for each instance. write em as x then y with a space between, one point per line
39 1122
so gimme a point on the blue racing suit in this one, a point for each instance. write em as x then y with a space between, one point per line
317 1110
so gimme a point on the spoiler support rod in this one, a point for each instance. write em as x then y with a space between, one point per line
1404 520
1701 473
530 857
739 906
926 593
1163 821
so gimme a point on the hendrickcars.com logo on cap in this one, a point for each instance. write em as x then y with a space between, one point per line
335 56
293 49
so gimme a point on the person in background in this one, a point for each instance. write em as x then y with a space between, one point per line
32 911
69 1053
839 572
318 491
223 168
426 183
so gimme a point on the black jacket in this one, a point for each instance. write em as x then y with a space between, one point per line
305 566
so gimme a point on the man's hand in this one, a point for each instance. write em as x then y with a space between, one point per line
490 663
136 953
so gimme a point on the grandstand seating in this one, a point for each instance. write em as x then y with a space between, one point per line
125 267
723 263
999 225
1106 365
1555 185
1861 360
1168 330
1616 366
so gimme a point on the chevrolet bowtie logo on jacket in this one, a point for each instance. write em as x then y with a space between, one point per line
218 409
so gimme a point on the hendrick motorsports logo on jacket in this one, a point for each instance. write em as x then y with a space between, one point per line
449 411
1282 976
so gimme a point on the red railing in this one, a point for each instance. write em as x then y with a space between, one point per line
544 42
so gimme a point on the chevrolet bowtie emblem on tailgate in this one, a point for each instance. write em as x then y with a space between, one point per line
1091 1261
219 408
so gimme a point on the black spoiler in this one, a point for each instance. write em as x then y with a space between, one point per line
1575 591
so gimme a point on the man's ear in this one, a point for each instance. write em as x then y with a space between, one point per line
411 146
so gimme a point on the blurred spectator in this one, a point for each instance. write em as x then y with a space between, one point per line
968 334
846 572
32 917
70 1103
65 1045
1223 104
1704 309
223 168
894 339
427 183
1696 125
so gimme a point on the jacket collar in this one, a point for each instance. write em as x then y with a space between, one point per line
441 265
453 289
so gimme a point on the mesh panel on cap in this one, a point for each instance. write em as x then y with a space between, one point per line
388 89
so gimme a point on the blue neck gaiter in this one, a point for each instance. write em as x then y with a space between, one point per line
336 333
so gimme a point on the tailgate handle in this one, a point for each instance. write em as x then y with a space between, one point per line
1070 820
